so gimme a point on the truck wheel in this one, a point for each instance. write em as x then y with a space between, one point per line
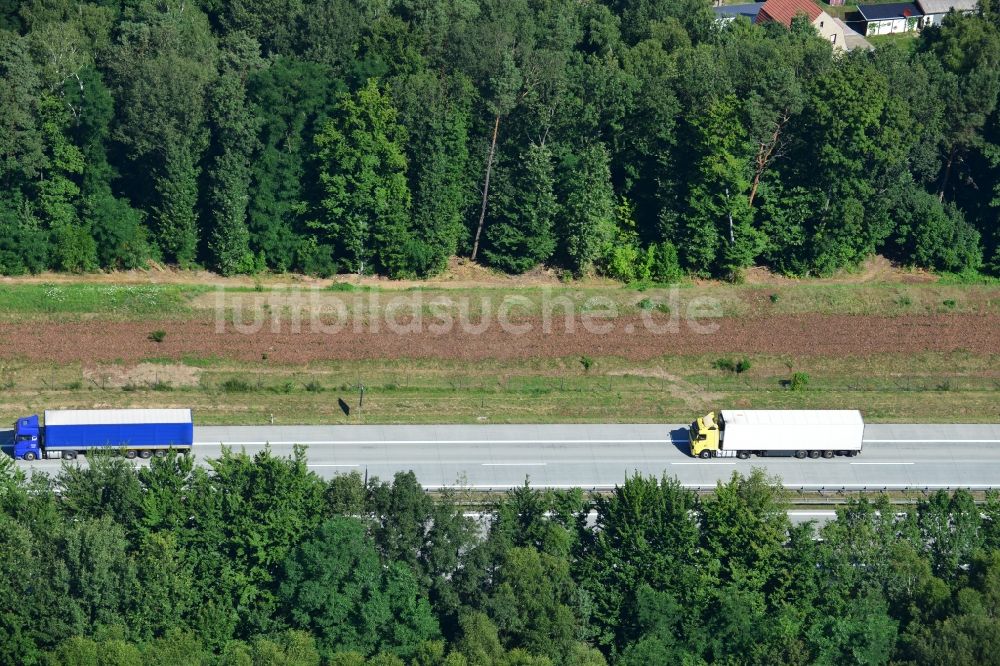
814 454
705 455
828 454
145 453
743 455
800 454
69 455
161 453
29 456
130 453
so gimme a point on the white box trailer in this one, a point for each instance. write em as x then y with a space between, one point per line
799 432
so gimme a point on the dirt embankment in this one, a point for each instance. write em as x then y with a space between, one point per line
628 337
460 273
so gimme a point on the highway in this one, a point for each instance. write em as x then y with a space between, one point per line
499 457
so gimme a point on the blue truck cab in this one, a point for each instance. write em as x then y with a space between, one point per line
27 438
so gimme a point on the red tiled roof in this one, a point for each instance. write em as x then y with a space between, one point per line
783 11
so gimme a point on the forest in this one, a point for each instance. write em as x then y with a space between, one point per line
636 139
257 561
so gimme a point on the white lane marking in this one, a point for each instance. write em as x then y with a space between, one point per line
328 465
432 461
710 462
443 441
707 486
890 486
934 441
491 486
881 463
525 464
824 514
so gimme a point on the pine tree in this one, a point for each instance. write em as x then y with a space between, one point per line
159 70
235 134
435 111
718 233
587 220
522 209
293 99
365 206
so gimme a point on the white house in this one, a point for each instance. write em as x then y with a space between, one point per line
891 18
784 11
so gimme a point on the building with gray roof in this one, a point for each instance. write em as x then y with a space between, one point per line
727 13
935 10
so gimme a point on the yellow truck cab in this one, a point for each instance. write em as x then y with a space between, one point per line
704 436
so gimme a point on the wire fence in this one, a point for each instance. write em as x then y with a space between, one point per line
277 382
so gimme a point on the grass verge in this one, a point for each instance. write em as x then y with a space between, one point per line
153 301
932 387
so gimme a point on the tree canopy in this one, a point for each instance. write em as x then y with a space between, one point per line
631 138
256 560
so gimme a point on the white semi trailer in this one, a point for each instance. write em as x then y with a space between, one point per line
773 432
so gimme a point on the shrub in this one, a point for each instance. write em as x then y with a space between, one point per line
730 365
774 298
316 259
736 276
314 387
664 266
74 385
160 385
118 231
24 246
158 335
73 248
726 364
624 263
950 303
970 276
236 385
342 286
586 362
798 381
623 259
933 234
645 304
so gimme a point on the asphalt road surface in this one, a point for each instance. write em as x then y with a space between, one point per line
497 457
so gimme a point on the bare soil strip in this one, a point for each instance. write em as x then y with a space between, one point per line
800 335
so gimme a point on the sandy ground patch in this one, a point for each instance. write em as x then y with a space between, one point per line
692 395
143 374
873 269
